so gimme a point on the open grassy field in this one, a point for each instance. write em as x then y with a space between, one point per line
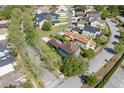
54 29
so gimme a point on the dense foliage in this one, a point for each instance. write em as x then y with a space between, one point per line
80 8
91 80
47 26
88 53
74 65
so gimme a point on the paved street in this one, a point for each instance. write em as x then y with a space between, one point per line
73 82
107 53
14 78
117 79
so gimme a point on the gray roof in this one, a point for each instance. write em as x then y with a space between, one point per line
52 16
91 29
76 29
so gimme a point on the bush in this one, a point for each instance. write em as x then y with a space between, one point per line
88 53
27 84
47 26
104 14
91 80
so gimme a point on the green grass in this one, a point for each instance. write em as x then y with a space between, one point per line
110 73
54 29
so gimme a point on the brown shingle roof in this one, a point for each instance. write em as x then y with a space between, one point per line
56 43
82 38
68 47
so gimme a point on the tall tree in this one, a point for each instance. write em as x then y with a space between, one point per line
104 14
74 65
47 26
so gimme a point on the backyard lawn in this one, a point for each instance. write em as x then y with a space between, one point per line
54 29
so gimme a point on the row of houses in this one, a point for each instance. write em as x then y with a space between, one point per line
44 13
87 26
73 46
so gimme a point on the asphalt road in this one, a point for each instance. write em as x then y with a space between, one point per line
117 79
108 52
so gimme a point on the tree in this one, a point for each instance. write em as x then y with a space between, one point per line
74 65
119 48
88 53
104 14
113 10
28 23
17 14
27 84
91 80
99 7
80 8
47 26
16 39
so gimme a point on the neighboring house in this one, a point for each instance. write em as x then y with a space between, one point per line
80 14
81 22
5 58
91 31
76 30
98 23
80 40
64 49
89 9
43 16
62 12
92 14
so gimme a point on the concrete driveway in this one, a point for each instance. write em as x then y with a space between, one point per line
108 52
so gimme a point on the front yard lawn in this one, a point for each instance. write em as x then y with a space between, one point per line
54 29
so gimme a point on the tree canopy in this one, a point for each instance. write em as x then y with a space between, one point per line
104 14
80 7
88 53
74 65
47 26
91 80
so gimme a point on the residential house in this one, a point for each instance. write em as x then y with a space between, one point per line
5 58
43 16
91 31
81 22
80 40
80 14
92 14
62 12
64 49
98 23
77 30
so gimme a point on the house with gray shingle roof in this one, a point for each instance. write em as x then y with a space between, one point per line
91 31
43 16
